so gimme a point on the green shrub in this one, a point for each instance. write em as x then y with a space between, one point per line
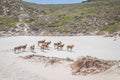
110 28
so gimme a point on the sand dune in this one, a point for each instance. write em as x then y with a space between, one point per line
12 67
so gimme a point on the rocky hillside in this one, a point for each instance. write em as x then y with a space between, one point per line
88 18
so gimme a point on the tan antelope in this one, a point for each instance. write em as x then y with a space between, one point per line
32 48
70 47
17 49
56 44
59 47
47 44
23 47
40 42
42 47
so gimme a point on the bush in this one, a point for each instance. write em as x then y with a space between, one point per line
90 65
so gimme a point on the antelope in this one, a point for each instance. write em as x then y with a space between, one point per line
17 49
60 46
47 43
70 47
56 44
32 48
23 47
42 47
39 42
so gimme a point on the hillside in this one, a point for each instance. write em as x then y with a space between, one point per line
54 64
88 18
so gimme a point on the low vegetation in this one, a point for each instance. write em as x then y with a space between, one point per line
46 60
91 65
85 17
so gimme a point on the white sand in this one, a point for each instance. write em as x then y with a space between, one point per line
12 67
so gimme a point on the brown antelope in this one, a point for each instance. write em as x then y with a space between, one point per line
40 42
70 47
47 44
32 48
17 49
23 47
42 47
56 44
60 46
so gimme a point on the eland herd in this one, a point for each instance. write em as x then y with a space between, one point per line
43 44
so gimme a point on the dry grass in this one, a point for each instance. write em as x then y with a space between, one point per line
46 60
52 61
90 65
